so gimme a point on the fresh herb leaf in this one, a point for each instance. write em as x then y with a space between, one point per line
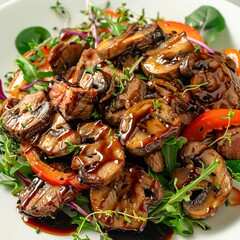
156 103
36 34
74 148
208 21
30 71
170 150
234 168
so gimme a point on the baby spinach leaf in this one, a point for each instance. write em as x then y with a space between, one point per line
36 34
208 21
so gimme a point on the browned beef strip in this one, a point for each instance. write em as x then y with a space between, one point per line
41 199
230 150
72 102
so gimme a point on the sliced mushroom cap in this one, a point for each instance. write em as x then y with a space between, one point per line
135 37
130 193
71 101
102 158
28 117
99 81
218 86
65 55
163 61
53 140
41 199
147 124
215 189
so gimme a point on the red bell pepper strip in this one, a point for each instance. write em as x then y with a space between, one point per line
47 173
208 121
173 28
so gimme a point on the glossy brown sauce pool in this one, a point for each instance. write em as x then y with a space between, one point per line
60 225
151 232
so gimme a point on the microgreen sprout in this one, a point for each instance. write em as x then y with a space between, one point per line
193 87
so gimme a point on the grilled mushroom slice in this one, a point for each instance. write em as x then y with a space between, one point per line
147 124
163 61
130 193
65 55
135 37
41 199
28 117
53 140
102 158
215 189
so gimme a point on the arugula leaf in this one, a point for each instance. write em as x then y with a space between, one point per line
234 168
30 71
208 21
170 149
36 34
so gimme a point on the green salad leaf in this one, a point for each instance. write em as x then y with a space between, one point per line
234 168
170 212
208 21
36 34
170 149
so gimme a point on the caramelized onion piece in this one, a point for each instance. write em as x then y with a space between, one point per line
53 140
163 61
135 37
102 158
130 193
28 117
215 189
147 124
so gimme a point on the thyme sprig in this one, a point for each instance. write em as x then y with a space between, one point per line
224 136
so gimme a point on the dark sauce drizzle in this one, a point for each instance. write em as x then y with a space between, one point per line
61 226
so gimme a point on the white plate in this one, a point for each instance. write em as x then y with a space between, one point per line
19 14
